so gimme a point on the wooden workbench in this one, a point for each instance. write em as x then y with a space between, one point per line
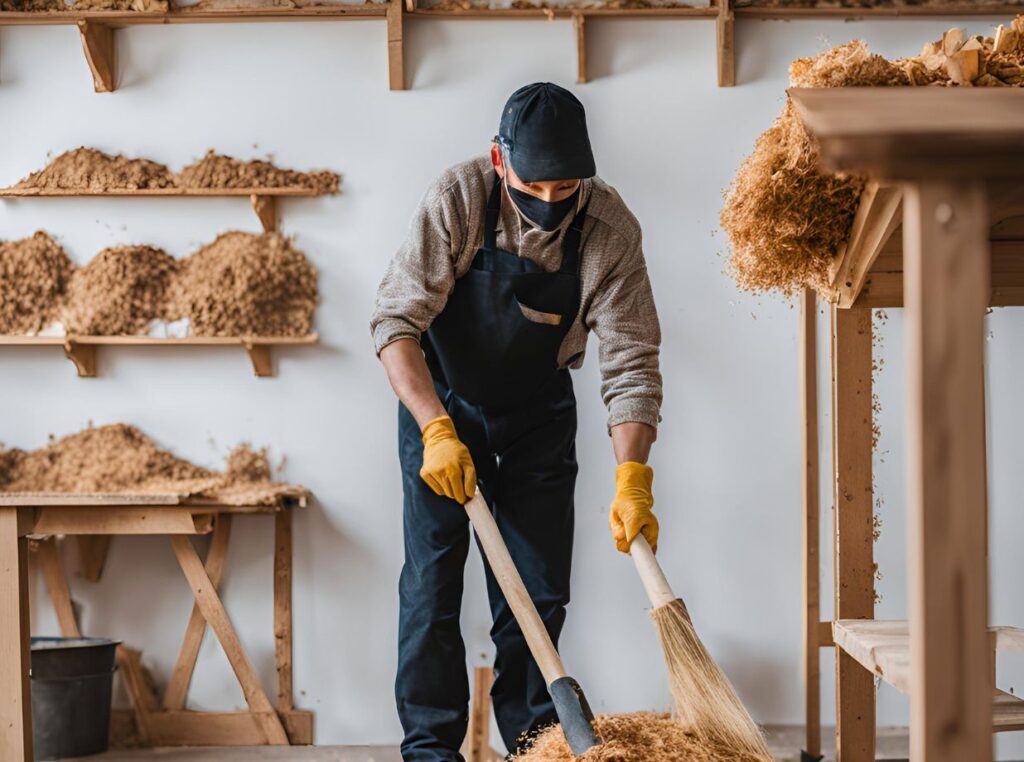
947 167
156 721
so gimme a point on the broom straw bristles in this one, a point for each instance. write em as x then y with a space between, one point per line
705 701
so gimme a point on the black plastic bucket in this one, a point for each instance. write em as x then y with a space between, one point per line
71 683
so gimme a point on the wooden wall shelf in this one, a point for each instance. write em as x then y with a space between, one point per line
81 350
97 27
263 200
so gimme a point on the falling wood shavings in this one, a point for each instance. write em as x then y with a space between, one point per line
786 220
638 737
93 170
120 459
122 290
34 274
247 284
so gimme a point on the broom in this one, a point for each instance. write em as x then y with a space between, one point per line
706 704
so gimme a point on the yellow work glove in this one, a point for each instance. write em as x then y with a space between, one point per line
631 509
447 465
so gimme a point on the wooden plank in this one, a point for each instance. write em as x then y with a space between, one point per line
188 15
15 701
725 36
213 611
189 728
176 694
158 341
20 192
904 133
857 13
396 51
808 374
946 258
565 12
579 23
878 216
139 685
100 53
121 520
283 608
57 587
477 747
853 523
92 555
85 499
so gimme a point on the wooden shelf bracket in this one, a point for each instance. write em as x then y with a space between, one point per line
262 361
725 26
266 209
100 53
579 23
396 52
83 356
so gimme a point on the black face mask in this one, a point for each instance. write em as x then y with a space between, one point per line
547 215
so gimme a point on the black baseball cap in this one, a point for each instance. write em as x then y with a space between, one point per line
544 130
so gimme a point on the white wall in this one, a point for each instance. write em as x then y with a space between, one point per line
727 461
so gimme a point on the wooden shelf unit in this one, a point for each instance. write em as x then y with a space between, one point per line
156 720
263 200
883 648
97 27
81 350
966 210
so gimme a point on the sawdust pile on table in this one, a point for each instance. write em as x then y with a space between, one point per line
247 284
119 458
90 169
120 291
786 220
218 171
34 272
636 737
93 170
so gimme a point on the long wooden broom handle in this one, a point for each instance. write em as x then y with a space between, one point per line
512 586
655 583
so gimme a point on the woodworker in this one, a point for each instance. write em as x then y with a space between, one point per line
511 260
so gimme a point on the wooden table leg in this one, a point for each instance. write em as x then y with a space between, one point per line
283 608
853 516
811 508
15 693
946 292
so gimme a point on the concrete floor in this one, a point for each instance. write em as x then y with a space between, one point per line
785 743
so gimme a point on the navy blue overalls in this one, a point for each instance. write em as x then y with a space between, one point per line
493 355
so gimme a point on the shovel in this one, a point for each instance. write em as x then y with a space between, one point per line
571 705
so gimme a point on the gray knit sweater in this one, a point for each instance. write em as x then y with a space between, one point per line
616 300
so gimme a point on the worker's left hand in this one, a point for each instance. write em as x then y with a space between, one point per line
631 512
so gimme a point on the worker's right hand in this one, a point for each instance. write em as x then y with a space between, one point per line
447 465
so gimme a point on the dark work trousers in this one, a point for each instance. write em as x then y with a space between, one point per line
526 468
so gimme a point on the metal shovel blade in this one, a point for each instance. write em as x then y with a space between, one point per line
574 714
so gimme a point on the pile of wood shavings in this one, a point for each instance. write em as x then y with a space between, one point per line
94 170
242 284
120 291
475 5
89 169
638 737
865 3
218 171
785 219
58 6
247 284
121 459
34 272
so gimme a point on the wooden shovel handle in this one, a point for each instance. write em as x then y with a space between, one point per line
655 583
512 586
